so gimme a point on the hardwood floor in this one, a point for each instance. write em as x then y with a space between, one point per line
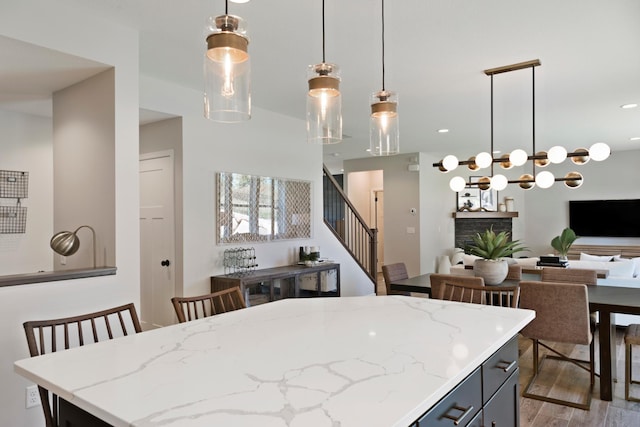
564 381
568 382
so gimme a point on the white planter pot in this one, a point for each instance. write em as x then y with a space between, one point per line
492 271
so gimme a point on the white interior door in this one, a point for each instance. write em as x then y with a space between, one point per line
157 240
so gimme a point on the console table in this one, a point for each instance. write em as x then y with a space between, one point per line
268 276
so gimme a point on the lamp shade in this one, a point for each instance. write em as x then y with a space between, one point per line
557 154
450 162
65 243
545 179
499 182
227 70
599 151
324 104
518 157
457 183
484 160
384 129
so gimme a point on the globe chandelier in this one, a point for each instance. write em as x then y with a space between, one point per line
539 159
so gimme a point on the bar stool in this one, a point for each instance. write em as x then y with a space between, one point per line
631 337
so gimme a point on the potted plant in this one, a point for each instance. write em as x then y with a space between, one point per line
492 248
563 242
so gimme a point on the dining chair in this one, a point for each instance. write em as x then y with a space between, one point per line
392 272
515 272
48 336
438 280
502 296
562 316
200 306
572 275
569 275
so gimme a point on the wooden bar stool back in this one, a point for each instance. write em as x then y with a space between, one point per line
631 338
191 308
48 336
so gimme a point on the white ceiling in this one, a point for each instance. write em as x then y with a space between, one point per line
436 51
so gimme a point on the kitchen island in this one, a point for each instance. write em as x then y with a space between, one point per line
350 361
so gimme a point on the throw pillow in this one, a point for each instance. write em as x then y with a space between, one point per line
636 263
470 259
458 256
622 268
587 257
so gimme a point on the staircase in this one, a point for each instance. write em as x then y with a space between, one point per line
348 226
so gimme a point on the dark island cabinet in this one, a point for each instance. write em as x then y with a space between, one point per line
487 397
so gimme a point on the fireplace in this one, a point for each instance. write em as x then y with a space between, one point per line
468 224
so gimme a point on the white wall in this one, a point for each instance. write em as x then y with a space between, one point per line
546 212
401 193
27 146
84 169
267 145
68 31
160 136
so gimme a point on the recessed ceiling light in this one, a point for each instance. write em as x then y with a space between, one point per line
634 138
443 130
368 150
627 106
239 1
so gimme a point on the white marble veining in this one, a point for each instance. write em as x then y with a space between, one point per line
313 362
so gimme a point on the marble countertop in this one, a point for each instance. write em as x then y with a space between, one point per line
350 361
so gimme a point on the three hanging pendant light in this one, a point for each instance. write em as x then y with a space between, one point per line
324 101
227 69
227 97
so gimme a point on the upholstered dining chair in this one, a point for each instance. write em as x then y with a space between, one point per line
514 273
438 280
569 275
48 336
392 272
572 275
196 307
562 316
502 296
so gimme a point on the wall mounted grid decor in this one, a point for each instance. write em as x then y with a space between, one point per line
260 209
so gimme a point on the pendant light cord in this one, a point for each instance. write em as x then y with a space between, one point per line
491 125
383 45
323 44
226 7
533 116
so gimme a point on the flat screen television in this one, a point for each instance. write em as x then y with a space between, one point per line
605 218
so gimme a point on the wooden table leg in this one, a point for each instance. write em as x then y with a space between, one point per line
607 352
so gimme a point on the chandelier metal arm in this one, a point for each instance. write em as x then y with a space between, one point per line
531 157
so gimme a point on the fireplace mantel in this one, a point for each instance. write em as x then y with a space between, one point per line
484 214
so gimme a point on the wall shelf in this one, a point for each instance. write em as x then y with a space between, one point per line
484 214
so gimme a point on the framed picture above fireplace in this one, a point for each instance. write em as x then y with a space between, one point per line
488 198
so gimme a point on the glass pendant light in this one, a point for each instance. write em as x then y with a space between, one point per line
324 102
227 69
384 135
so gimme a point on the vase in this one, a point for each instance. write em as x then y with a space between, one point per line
493 271
444 264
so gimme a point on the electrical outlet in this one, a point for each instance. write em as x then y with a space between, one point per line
32 396
63 260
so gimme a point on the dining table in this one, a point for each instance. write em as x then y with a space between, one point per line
605 300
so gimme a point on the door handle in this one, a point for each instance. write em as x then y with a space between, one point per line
165 263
